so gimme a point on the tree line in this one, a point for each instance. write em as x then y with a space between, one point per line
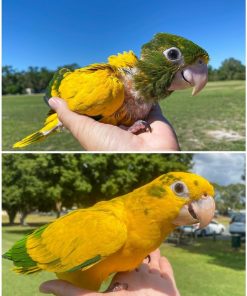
50 182
37 79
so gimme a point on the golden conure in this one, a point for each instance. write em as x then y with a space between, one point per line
85 246
124 90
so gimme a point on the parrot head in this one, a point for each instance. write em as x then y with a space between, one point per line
169 62
190 195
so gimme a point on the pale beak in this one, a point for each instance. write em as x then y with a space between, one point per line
199 211
195 76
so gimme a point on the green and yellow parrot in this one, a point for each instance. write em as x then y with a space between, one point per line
123 91
86 246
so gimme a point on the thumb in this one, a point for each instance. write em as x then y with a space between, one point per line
66 116
63 288
71 120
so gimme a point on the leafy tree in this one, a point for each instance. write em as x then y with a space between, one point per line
12 81
51 181
62 180
231 69
21 186
116 174
212 74
230 197
37 78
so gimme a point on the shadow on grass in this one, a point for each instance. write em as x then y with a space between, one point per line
219 251
21 230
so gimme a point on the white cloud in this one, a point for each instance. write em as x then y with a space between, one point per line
221 168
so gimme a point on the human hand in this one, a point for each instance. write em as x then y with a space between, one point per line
150 279
96 136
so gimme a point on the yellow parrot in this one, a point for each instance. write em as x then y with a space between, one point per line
123 91
86 246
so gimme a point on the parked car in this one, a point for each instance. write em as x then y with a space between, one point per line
237 224
214 227
188 229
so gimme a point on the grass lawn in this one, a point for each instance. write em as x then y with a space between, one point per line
213 120
205 268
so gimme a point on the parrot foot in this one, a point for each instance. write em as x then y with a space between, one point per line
149 258
118 287
140 126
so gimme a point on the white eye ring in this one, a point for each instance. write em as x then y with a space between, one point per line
180 189
173 54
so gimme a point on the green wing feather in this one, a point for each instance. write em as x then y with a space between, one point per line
18 254
55 83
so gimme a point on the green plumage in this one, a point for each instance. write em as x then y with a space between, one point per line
18 253
155 72
86 263
55 83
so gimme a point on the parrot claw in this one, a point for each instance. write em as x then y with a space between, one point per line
118 287
149 258
140 126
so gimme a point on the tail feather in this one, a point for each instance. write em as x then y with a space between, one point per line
27 270
35 137
7 255
52 125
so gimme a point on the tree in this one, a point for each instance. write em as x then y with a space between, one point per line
231 69
111 175
12 81
212 74
21 186
51 181
37 78
62 180
230 197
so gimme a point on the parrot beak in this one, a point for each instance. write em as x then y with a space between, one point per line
201 211
195 76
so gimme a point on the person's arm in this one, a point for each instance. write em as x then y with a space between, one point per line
96 136
155 278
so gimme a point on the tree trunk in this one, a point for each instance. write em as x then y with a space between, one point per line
58 208
11 214
23 217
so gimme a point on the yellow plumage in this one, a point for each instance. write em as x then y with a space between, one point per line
87 245
96 90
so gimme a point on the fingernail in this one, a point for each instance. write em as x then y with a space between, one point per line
53 102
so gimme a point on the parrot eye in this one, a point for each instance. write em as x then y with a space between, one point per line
180 189
173 54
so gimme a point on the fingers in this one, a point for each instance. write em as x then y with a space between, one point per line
154 262
167 272
143 268
165 267
63 288
70 119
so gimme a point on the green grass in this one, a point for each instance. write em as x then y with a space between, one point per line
205 268
208 268
220 107
23 115
12 283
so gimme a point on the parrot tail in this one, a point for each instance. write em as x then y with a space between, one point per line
52 124
27 270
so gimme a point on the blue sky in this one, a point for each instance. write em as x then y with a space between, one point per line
52 33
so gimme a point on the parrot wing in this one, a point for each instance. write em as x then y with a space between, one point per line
95 90
75 241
